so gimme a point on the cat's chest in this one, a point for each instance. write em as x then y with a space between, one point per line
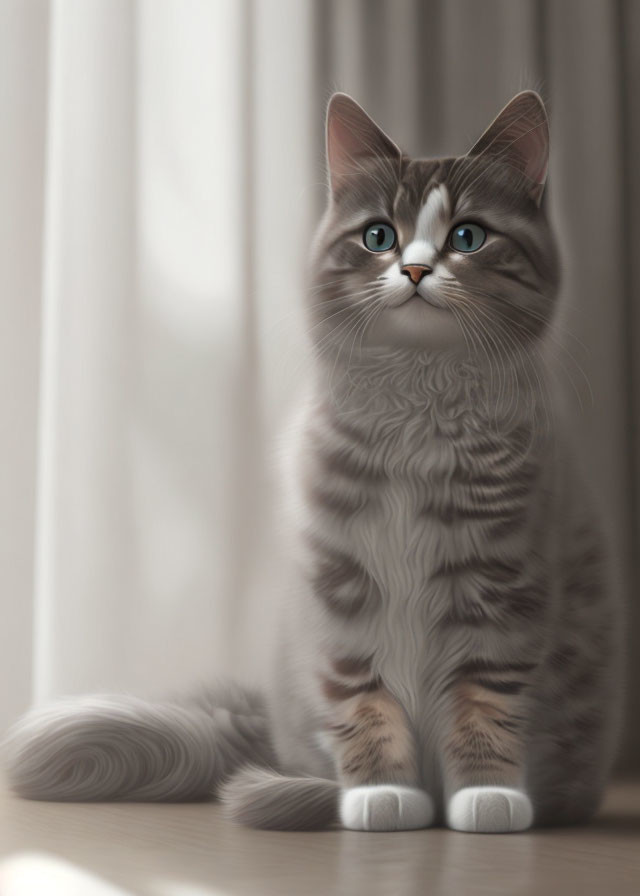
401 546
394 536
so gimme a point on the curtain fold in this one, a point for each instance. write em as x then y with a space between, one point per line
160 177
23 104
83 519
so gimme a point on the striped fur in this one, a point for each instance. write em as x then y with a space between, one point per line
448 638
445 532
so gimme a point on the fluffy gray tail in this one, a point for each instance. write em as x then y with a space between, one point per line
125 748
262 798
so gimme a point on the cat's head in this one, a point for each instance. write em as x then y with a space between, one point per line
436 254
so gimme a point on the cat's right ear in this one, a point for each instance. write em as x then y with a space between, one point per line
519 136
352 139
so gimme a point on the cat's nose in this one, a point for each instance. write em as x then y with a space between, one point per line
416 272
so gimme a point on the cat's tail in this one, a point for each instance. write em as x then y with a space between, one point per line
126 748
263 798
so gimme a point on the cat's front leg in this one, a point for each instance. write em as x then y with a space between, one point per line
376 753
483 752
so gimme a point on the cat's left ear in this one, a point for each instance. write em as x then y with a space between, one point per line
353 139
520 137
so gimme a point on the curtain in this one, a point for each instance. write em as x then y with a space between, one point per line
153 279
161 171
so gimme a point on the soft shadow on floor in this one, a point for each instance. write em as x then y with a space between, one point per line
618 823
191 850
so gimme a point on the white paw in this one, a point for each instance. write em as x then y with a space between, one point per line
385 807
489 810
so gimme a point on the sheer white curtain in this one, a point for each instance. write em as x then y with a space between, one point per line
155 186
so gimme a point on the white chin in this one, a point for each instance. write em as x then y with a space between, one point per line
416 324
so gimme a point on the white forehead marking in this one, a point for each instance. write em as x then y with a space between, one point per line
434 216
432 227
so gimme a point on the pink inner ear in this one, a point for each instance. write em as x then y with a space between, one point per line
532 146
520 136
343 146
352 137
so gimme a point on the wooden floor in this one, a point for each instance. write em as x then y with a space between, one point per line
189 850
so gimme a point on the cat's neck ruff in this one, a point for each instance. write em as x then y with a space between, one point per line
449 395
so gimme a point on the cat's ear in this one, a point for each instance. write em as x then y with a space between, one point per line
352 139
520 137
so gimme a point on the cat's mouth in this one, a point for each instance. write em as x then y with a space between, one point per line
417 321
427 298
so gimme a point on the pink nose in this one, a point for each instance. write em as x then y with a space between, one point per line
416 272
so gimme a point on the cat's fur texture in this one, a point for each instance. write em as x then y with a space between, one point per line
448 646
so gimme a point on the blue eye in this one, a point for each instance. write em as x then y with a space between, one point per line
379 237
467 237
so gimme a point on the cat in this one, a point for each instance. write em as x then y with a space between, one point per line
448 644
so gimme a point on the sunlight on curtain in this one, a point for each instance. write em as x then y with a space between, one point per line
23 74
158 294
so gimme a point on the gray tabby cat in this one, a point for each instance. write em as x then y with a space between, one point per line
448 648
